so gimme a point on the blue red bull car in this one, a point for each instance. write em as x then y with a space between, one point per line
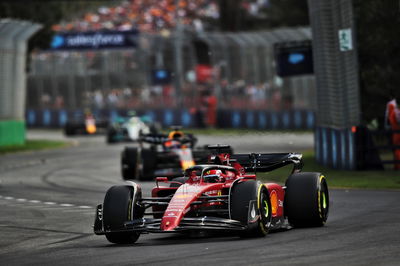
161 155
222 195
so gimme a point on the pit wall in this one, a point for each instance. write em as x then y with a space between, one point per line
252 119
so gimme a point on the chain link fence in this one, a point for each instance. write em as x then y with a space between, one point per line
336 63
240 69
336 71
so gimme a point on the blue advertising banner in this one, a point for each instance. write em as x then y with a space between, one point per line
94 40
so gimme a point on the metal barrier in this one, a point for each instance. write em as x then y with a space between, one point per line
240 69
13 39
227 118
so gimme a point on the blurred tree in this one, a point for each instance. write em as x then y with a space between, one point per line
378 31
231 15
276 13
287 13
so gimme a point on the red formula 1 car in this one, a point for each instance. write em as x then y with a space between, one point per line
217 196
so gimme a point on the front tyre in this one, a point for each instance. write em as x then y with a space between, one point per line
306 199
119 207
148 165
250 204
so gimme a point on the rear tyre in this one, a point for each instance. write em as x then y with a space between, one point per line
119 207
306 199
250 204
130 163
111 134
149 163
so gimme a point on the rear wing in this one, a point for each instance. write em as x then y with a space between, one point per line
153 138
219 149
266 162
159 139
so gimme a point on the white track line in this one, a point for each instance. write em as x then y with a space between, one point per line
22 200
49 203
66 205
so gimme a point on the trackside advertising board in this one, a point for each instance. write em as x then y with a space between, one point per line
94 40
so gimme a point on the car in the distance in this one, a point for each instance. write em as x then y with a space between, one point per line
161 155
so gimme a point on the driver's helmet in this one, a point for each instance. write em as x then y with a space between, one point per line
212 176
131 113
175 135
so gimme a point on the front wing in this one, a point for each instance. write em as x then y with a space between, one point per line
150 225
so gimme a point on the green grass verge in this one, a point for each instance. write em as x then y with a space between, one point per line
232 131
32 145
388 179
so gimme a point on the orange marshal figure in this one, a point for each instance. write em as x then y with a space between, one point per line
393 118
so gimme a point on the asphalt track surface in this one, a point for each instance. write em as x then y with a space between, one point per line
47 202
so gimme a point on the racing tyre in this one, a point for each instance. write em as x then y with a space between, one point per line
178 179
119 207
149 163
111 134
129 163
69 130
250 204
306 199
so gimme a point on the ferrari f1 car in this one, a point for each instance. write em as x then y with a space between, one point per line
167 155
126 129
219 196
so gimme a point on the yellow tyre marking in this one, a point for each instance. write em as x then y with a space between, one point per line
319 199
262 226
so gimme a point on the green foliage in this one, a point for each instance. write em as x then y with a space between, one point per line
231 15
287 13
234 131
32 145
279 13
378 28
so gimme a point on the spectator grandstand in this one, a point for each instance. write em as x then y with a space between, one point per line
154 16
150 16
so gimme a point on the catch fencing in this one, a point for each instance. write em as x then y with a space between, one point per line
240 69
337 80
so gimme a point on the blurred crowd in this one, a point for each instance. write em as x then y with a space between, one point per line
153 16
161 16
150 16
236 95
